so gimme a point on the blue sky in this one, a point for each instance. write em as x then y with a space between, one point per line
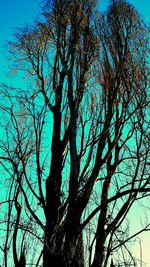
143 7
15 13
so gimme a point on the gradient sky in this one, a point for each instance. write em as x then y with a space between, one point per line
15 13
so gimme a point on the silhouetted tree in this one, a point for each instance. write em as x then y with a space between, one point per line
76 133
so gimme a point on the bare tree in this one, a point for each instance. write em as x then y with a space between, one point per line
124 81
76 135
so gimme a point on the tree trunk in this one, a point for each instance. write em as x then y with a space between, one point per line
73 253
70 255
